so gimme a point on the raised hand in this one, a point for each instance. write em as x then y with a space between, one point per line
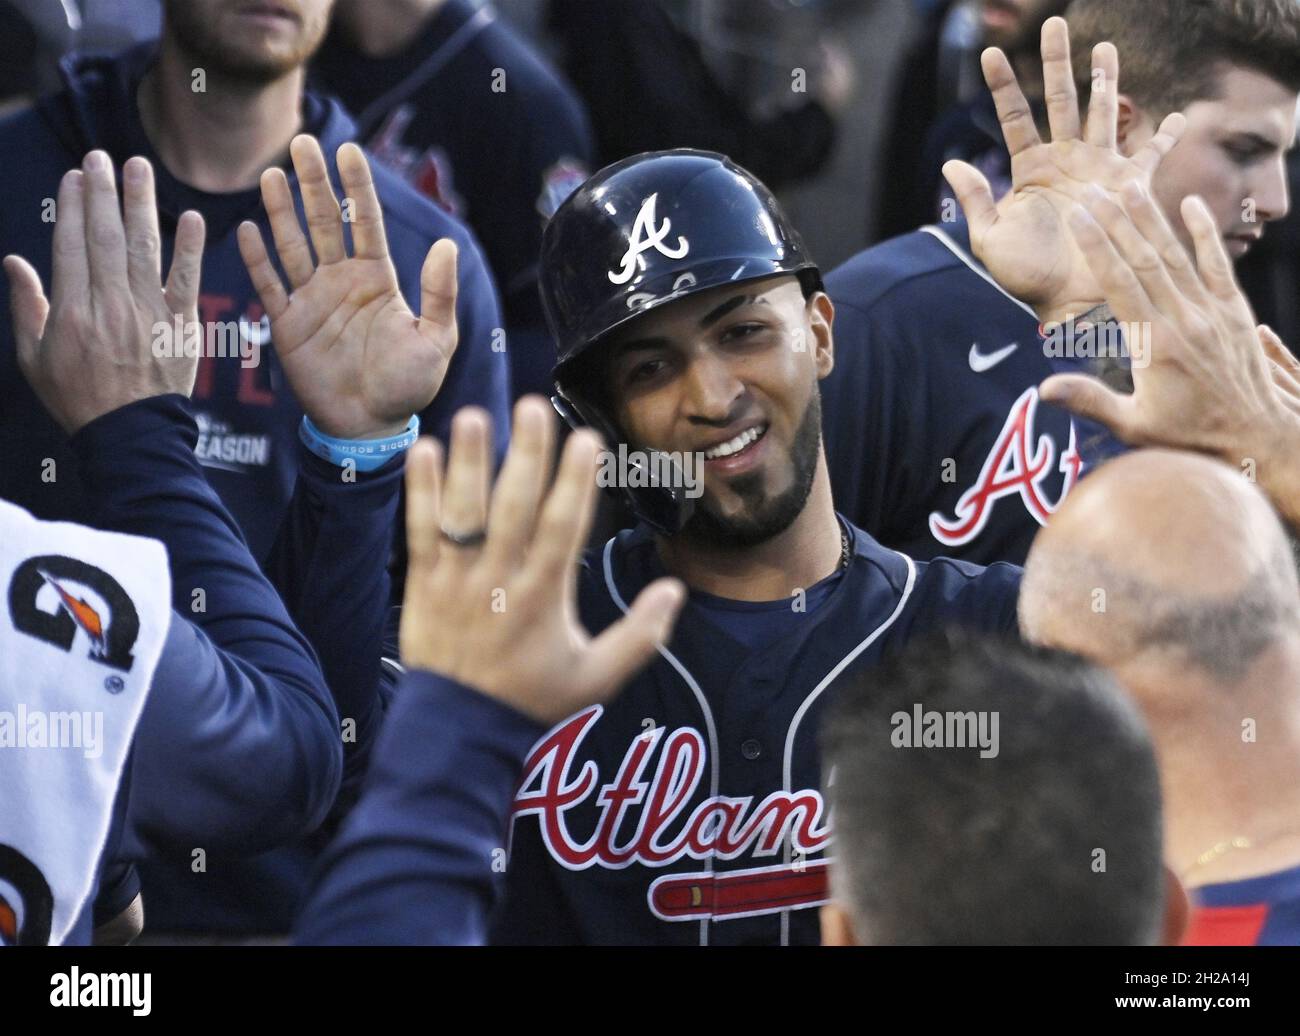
491 583
1023 240
108 336
358 360
1205 377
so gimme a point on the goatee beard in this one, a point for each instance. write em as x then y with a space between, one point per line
764 517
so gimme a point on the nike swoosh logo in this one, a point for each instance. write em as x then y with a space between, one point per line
980 363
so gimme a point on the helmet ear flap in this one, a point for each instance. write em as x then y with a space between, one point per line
664 508
566 410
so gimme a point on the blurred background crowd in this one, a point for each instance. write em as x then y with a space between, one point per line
847 108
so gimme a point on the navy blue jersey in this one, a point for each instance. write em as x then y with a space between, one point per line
935 437
469 115
239 747
1261 911
247 417
688 810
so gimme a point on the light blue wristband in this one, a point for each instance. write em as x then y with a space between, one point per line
364 454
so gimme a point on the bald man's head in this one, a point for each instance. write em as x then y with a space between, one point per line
1163 559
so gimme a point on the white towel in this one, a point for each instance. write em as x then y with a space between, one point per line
83 620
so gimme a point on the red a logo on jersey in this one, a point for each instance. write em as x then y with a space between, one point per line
1018 463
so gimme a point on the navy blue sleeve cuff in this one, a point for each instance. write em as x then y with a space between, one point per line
105 437
457 705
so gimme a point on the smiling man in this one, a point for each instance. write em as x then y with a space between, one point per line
690 319
689 810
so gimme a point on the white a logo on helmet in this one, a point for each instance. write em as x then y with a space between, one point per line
645 236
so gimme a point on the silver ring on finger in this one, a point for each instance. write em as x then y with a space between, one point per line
464 539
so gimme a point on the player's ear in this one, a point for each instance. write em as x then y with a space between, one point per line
1134 126
1178 910
820 313
837 929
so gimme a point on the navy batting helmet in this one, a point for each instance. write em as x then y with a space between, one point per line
637 235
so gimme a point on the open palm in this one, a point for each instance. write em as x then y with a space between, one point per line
1024 240
358 360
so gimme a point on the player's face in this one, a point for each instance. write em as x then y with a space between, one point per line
731 373
257 40
1233 154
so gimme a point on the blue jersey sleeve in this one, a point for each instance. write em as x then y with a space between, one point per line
329 564
874 410
416 860
239 742
958 593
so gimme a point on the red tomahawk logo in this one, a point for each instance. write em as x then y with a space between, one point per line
747 893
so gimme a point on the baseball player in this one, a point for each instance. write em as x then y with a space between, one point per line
938 440
590 855
691 321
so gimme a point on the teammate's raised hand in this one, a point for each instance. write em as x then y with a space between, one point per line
1205 377
1023 240
358 360
491 581
89 349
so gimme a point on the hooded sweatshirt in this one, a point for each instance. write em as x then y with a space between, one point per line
247 417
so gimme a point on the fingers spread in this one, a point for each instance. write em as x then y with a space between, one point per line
566 516
438 290
1102 128
183 279
71 268
29 307
469 471
143 243
1275 349
423 504
290 243
266 282
1150 222
1138 254
367 218
1211 259
105 237
625 647
1153 152
523 479
974 195
1059 92
1128 299
1283 366
1018 129
324 218
1088 398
